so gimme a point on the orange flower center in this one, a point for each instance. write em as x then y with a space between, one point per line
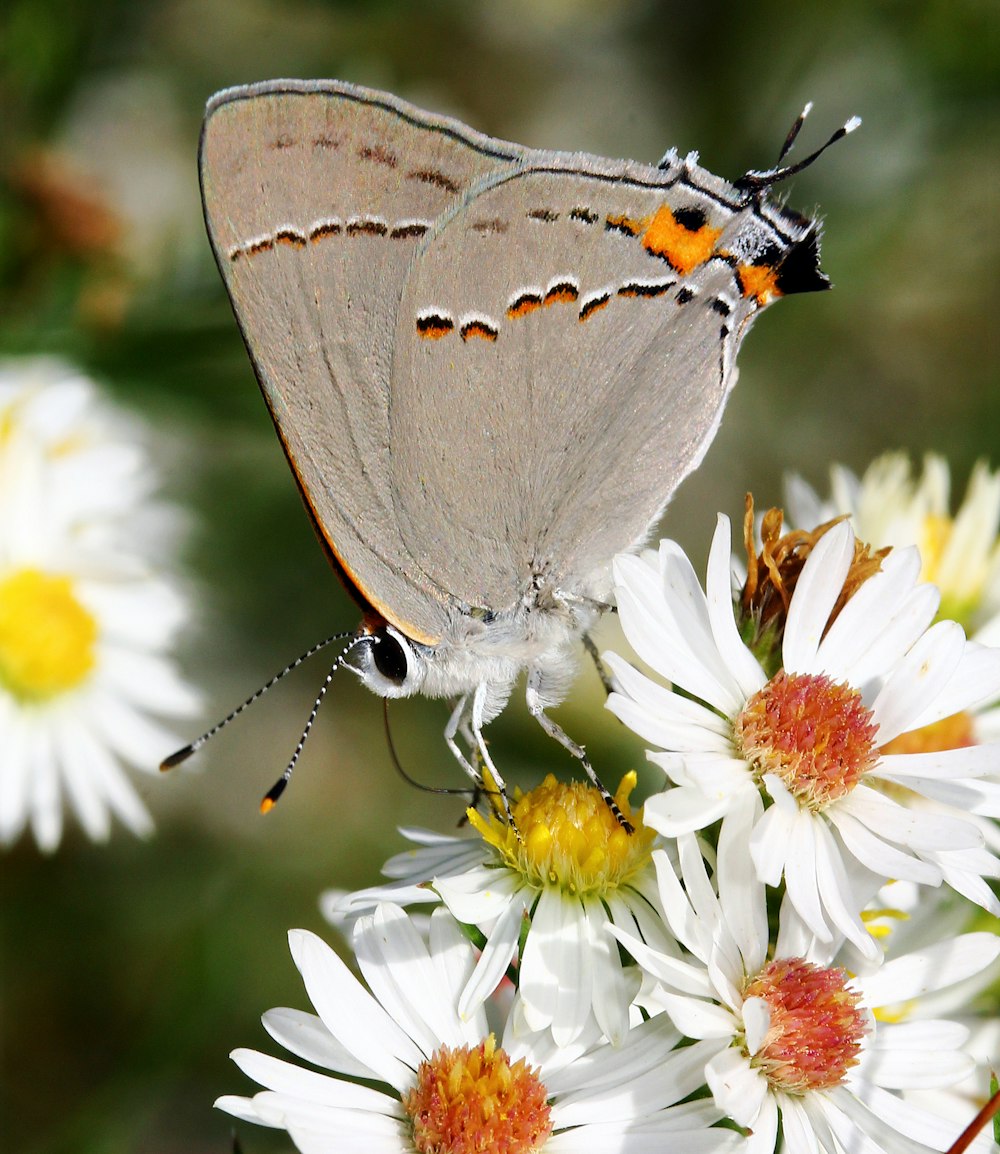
474 1100
814 734
816 1027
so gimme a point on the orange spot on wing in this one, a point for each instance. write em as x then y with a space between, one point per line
590 307
683 248
561 294
478 329
760 281
524 305
434 328
290 237
629 225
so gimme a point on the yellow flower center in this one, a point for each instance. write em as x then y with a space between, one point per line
474 1100
47 637
814 734
816 1027
569 838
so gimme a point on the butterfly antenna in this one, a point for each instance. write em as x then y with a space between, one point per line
270 798
183 754
793 132
755 182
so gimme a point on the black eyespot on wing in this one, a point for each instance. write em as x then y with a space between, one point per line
691 218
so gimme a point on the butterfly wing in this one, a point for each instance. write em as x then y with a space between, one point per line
316 198
564 350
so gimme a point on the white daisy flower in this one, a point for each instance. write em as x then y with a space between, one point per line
85 624
797 1040
542 893
442 1080
960 554
853 672
889 506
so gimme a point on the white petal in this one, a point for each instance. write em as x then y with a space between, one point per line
914 1067
741 894
395 962
695 1018
877 855
800 876
945 764
15 767
769 843
497 955
148 682
917 680
818 587
452 956
896 1116
242 1108
609 992
737 1088
286 1078
662 717
554 995
305 1036
666 621
481 894
43 781
932 968
680 810
976 683
918 828
737 658
673 972
880 622
352 1015
837 894
757 1021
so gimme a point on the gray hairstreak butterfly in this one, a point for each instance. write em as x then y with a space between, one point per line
490 366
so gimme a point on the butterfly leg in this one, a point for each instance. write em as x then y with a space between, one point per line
469 721
536 709
456 722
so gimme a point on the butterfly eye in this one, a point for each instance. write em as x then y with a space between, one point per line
389 657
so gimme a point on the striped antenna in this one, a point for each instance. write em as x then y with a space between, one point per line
187 751
270 798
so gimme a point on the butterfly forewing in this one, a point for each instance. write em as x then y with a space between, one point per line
316 197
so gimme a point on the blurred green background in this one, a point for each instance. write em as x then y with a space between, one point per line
130 970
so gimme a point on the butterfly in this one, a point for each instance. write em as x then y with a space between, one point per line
489 366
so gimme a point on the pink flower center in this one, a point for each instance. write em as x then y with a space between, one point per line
814 734
816 1026
474 1100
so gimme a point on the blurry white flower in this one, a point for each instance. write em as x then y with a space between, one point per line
888 505
86 624
856 663
443 1082
796 1038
